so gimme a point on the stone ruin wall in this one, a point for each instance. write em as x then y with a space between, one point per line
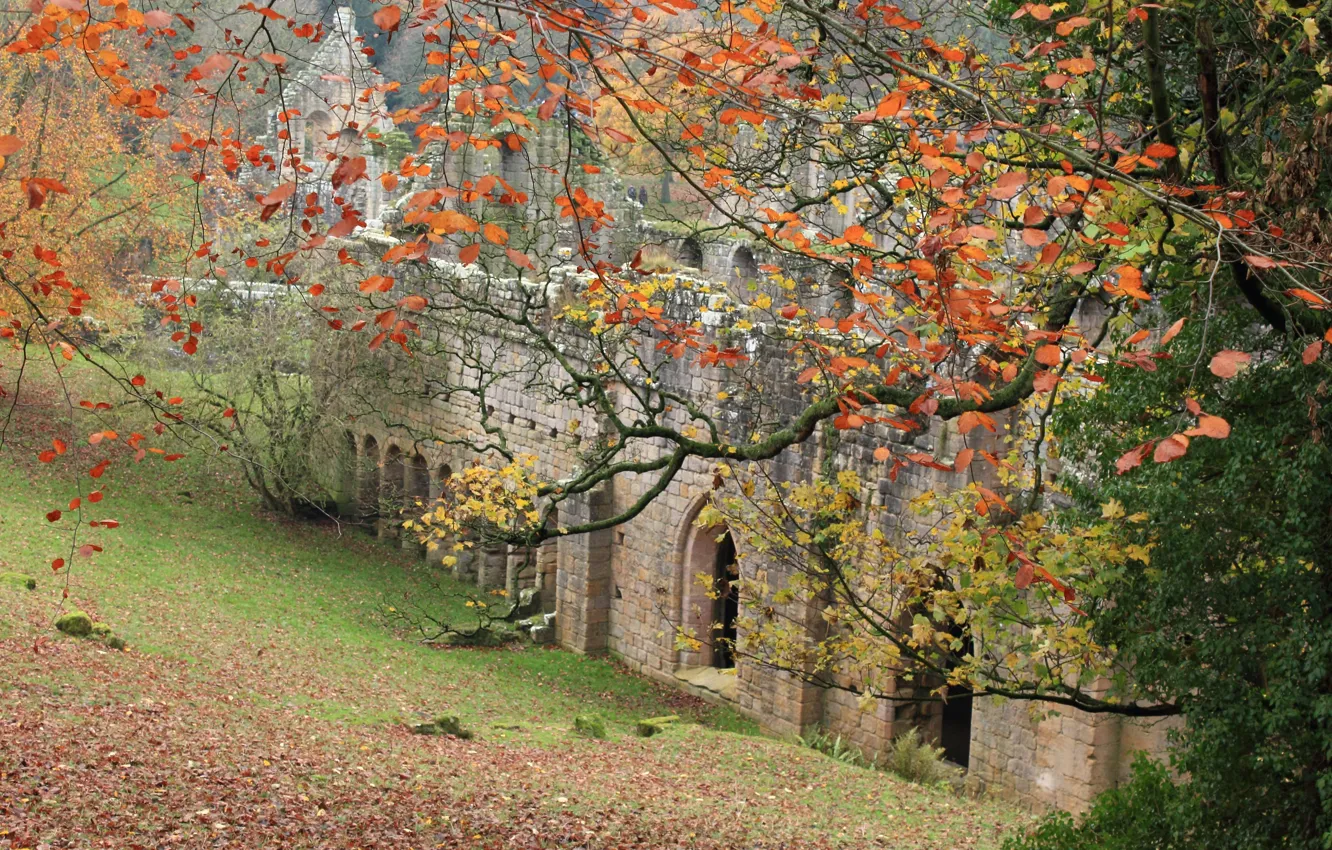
619 591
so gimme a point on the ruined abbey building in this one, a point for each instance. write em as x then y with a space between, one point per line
490 372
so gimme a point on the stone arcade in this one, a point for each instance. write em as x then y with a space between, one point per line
622 590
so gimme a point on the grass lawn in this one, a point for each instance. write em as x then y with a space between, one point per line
262 702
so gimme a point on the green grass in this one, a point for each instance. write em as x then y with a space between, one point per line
273 629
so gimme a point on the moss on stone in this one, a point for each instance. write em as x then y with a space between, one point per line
650 726
115 642
451 724
101 630
75 623
590 726
18 580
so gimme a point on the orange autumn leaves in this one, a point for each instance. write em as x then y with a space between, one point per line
1225 365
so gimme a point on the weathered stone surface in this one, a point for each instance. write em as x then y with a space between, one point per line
75 623
101 630
626 590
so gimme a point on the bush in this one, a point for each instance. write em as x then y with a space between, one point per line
834 748
911 758
1149 812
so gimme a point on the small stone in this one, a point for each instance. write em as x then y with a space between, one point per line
542 635
101 630
75 623
19 580
115 642
451 724
424 729
590 726
650 726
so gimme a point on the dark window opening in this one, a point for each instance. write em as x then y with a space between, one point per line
727 604
955 734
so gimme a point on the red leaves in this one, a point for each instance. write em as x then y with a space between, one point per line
1210 426
415 303
274 200
388 18
1132 458
973 418
1171 448
1226 364
1312 352
37 189
890 106
57 565
138 381
1049 355
1128 282
468 255
1172 332
1025 574
377 283
1008 185
214 65
99 470
519 259
54 516
350 169
58 447
494 233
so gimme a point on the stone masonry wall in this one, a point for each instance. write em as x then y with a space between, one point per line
622 590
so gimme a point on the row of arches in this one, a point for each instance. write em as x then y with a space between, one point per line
383 484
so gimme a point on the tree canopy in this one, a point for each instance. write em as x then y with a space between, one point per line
1091 236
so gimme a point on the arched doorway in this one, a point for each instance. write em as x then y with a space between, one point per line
726 607
347 492
418 483
691 254
418 495
744 268
392 492
955 726
368 488
709 598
